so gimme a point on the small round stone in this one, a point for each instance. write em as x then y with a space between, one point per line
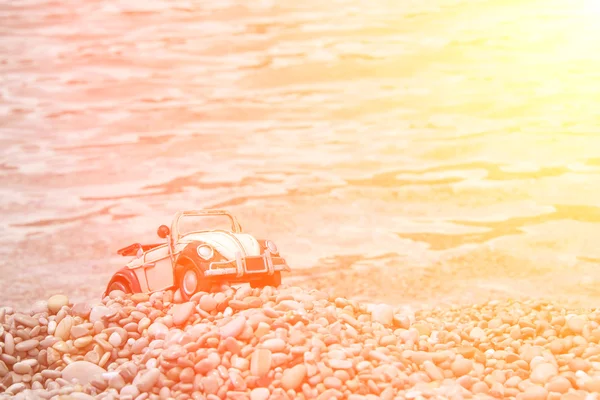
182 312
187 375
81 310
576 324
558 384
332 382
260 363
56 302
97 312
535 393
148 380
82 371
27 345
234 327
477 333
293 377
140 297
115 339
383 313
542 373
461 366
260 394
275 345
22 368
207 303
130 391
158 330
340 364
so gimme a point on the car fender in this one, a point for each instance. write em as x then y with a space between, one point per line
189 254
129 276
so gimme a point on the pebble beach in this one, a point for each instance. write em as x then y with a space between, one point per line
294 343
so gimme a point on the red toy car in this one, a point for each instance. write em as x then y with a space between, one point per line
195 260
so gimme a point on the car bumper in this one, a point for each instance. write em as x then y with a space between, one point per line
265 264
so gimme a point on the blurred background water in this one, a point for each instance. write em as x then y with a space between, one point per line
405 151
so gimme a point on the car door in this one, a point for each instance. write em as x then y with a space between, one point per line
158 268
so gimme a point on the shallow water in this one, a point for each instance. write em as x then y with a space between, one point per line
443 148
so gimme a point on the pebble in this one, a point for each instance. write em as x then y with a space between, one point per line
81 310
116 382
477 333
187 375
82 371
274 345
16 388
148 380
9 343
576 324
293 377
542 373
82 342
129 390
22 368
558 384
292 343
3 369
27 345
534 393
140 297
182 312
56 302
340 364
78 331
383 313
207 303
115 339
63 329
260 394
332 382
578 364
262 329
158 330
592 385
260 363
26 320
139 345
461 366
98 312
422 328
433 371
234 328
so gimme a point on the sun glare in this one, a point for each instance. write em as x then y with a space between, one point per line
591 6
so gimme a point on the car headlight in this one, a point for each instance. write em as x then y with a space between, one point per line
205 252
271 246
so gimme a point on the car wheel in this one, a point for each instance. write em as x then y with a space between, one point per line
190 282
119 285
276 279
272 280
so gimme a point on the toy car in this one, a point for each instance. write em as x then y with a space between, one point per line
196 260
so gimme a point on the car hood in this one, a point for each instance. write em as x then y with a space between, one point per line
226 243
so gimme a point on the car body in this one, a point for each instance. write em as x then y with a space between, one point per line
199 259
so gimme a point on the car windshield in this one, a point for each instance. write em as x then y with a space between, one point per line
196 223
